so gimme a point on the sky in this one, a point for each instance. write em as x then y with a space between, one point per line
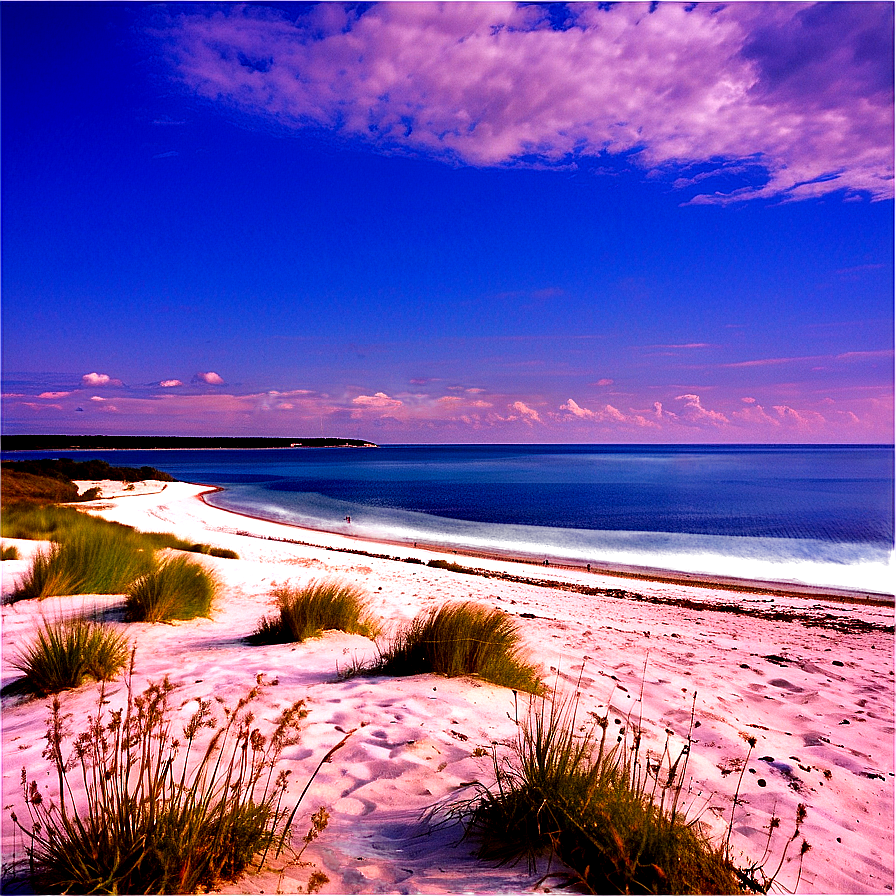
453 223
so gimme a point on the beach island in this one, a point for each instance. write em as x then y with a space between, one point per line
783 701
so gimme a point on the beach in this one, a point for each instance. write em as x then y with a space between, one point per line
809 676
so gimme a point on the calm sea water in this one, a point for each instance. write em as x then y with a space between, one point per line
815 514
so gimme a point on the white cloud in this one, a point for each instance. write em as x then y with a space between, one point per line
211 378
378 401
784 99
528 415
694 412
170 384
99 379
573 408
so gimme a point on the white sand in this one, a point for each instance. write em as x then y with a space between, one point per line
818 697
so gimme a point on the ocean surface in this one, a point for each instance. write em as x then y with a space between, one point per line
821 515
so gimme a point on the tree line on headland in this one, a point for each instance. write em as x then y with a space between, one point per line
141 443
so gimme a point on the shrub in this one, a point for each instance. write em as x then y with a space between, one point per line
160 812
178 588
89 561
308 612
68 652
9 552
610 814
444 564
460 639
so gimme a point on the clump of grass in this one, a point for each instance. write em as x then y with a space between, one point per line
460 639
67 652
177 588
608 812
224 553
9 552
163 811
50 523
87 562
307 612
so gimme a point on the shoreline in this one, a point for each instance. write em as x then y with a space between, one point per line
622 571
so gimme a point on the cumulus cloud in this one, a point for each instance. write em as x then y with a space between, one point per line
99 379
788 100
527 414
211 378
577 411
694 412
170 384
378 401
54 395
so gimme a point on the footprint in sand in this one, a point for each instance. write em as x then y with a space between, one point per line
785 685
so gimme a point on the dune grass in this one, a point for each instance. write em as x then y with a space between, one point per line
177 588
320 606
41 522
68 652
164 810
459 639
89 561
224 553
609 811
9 552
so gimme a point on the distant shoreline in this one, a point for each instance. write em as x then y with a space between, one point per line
171 443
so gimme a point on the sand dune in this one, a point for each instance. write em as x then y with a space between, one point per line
812 679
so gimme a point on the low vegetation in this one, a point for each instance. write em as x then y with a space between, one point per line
68 652
9 552
165 810
459 639
318 607
91 561
89 555
176 588
48 523
48 481
225 553
608 809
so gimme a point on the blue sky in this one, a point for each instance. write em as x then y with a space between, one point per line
449 223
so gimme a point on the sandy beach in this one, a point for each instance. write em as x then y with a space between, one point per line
811 677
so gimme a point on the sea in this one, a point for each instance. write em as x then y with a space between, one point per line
816 515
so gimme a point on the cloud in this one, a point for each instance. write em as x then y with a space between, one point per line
527 414
787 100
54 395
170 384
800 419
574 409
604 382
212 378
378 401
694 412
99 379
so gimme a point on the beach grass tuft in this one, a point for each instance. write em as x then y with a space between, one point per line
88 561
68 652
163 810
43 522
459 639
330 604
610 812
177 588
9 552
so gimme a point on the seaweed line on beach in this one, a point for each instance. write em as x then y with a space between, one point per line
827 620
